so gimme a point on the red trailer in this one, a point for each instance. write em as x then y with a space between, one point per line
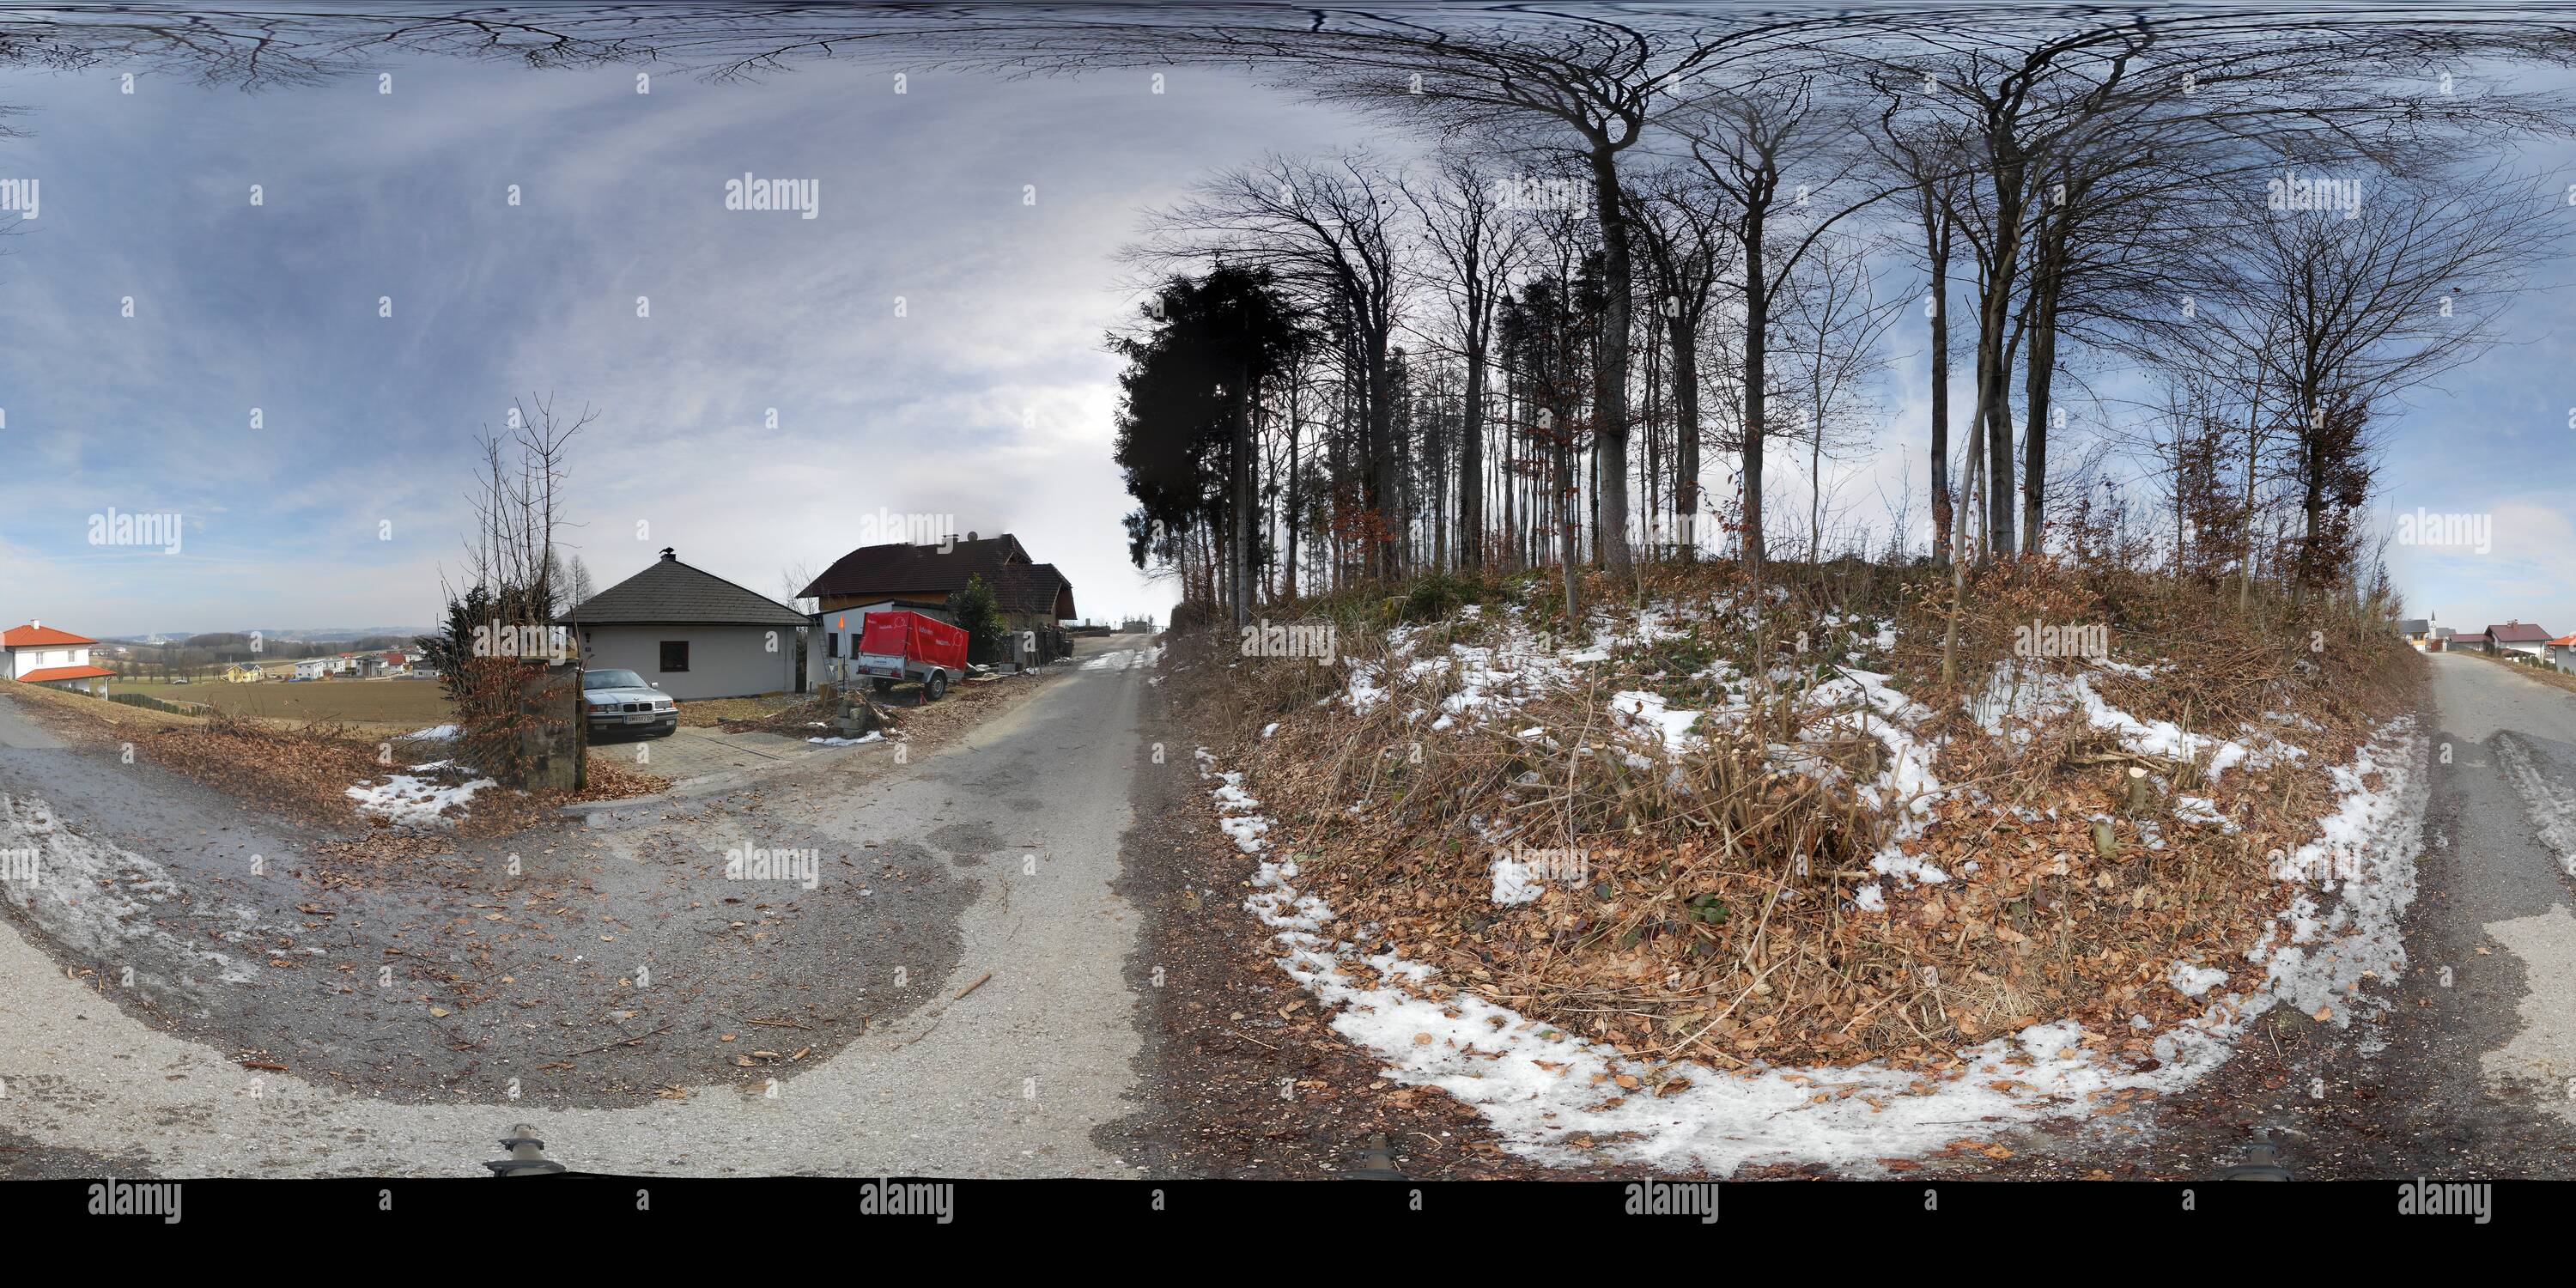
899 645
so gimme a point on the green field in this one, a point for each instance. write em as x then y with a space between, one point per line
417 704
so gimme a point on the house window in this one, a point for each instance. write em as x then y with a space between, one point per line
675 655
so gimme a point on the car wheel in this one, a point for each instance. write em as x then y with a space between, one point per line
938 686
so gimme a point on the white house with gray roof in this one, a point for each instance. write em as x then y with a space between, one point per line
689 632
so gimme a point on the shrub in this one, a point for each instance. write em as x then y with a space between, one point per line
147 701
980 616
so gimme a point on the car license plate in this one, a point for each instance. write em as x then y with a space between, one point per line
640 717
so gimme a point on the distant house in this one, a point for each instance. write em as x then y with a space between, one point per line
313 668
2416 630
1031 597
2561 652
244 673
2517 637
690 632
396 662
39 654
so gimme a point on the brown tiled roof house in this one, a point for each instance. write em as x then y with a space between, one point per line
2517 636
922 577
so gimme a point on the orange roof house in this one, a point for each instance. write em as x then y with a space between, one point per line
39 654
37 633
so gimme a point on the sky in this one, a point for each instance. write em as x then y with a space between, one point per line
927 348
930 342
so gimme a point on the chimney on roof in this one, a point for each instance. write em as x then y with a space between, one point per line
667 552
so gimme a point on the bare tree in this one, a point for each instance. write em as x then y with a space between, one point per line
1831 327
1683 225
1747 141
1479 246
2334 316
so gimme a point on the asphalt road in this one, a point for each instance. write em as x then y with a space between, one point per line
1017 1040
2484 1062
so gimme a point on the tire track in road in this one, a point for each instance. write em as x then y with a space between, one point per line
2552 809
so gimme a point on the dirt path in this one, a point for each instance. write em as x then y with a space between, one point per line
952 977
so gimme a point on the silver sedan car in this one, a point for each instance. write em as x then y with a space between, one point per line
619 700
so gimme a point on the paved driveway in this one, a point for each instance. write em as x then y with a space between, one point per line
697 751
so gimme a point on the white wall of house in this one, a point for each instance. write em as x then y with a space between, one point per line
724 661
40 657
2539 650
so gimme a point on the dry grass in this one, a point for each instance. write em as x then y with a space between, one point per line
79 713
757 712
1715 914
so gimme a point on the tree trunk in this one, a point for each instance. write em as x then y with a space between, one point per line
1994 365
2047 283
1686 435
1379 474
1288 582
1239 556
1757 317
1471 464
1610 374
1936 239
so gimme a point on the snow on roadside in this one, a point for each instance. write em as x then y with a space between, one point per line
408 800
2365 860
435 733
873 735
1125 659
1543 1088
100 900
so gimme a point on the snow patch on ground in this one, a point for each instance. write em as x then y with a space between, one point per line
2192 981
1514 883
408 800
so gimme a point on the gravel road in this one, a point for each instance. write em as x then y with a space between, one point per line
982 872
